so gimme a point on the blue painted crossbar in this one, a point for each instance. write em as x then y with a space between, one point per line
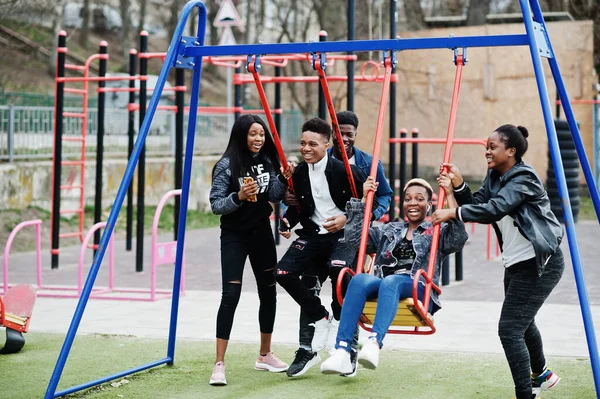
359 45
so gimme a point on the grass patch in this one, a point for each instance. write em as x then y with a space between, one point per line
586 209
402 374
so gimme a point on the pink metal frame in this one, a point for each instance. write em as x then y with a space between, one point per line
38 252
162 253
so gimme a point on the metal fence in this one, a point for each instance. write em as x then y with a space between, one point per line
27 133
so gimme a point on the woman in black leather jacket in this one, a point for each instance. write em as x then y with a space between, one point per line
512 199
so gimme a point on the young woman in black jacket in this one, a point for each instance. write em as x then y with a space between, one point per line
513 199
244 183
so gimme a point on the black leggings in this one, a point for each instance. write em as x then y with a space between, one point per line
525 293
257 244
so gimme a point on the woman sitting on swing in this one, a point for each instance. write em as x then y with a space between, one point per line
401 248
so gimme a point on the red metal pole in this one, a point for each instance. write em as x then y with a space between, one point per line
376 147
441 193
422 140
265 104
336 126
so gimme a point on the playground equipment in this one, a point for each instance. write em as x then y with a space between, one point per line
143 79
15 314
187 52
162 253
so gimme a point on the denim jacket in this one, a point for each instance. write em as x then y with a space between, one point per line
384 192
383 239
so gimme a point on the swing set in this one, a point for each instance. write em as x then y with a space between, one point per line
187 52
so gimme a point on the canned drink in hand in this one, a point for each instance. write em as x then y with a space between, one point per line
247 180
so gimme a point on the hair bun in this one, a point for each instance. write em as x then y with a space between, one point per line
523 131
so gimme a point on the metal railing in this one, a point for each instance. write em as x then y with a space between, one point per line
27 133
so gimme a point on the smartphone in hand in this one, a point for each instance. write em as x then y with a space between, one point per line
283 226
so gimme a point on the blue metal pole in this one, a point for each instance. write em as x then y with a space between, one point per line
562 184
114 213
422 43
111 377
185 185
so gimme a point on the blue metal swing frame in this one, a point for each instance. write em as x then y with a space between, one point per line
187 52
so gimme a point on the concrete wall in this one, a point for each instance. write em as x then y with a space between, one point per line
29 183
498 87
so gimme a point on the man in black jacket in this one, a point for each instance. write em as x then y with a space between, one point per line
322 188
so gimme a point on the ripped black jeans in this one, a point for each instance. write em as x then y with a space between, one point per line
236 246
303 270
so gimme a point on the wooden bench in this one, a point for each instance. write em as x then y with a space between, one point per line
15 314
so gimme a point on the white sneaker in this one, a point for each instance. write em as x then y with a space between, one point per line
339 363
368 357
332 337
321 334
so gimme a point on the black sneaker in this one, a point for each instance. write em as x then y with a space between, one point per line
353 354
304 360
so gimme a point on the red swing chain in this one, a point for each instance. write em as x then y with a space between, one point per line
319 64
389 63
459 61
253 66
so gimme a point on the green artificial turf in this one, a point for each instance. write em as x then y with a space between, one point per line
401 374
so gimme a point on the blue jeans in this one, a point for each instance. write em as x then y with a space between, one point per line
388 291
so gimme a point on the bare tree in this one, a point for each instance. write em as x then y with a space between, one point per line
596 14
295 22
415 19
448 7
142 22
554 5
126 40
173 17
56 15
580 9
85 24
478 9
249 19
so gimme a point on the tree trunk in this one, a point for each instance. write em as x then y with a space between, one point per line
85 24
142 22
248 21
174 17
580 9
478 9
448 7
126 42
414 15
555 5
57 19
596 14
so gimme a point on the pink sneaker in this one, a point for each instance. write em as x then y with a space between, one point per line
271 363
218 374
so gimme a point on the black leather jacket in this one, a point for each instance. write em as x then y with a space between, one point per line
339 188
520 194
